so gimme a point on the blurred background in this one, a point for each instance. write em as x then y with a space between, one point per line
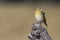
17 17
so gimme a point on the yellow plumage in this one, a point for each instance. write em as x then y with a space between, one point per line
38 15
38 12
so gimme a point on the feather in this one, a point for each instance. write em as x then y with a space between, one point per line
44 19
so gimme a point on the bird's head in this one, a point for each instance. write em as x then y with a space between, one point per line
38 11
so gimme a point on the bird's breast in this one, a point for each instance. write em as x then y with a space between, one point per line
39 17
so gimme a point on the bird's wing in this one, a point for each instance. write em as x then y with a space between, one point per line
44 19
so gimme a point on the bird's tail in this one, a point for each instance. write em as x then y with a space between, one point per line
46 24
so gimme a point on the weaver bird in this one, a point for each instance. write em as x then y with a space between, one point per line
40 16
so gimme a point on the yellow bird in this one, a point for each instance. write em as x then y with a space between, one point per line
40 16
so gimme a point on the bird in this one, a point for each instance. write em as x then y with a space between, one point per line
40 16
